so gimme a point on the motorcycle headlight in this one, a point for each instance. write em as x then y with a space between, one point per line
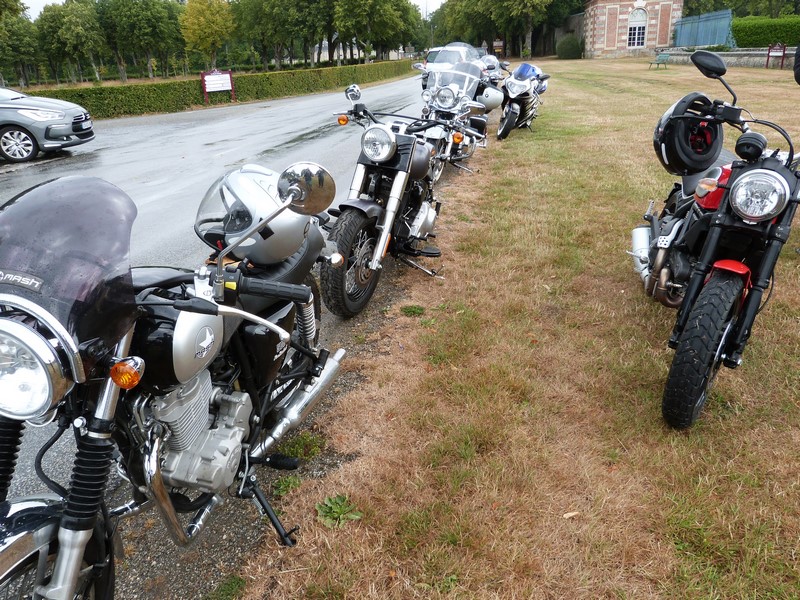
446 98
378 143
426 96
759 195
32 378
515 87
41 114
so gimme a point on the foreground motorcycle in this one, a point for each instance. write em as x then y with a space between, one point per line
523 90
459 96
391 207
182 381
711 252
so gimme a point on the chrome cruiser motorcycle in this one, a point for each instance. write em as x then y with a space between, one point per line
391 207
181 381
460 96
523 90
711 252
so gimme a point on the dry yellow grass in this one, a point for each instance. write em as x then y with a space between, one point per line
509 439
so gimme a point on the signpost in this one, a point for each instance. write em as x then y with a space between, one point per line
217 81
776 51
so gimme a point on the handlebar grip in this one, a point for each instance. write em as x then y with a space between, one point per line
272 289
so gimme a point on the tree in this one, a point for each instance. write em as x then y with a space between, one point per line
10 7
80 33
140 27
48 26
18 45
206 26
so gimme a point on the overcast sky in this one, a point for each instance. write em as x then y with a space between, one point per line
35 6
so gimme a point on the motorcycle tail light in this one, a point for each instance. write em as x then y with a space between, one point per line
343 120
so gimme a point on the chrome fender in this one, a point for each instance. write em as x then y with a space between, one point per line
26 526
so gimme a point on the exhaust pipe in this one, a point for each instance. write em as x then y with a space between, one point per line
301 403
640 250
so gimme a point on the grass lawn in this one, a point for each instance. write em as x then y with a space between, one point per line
508 430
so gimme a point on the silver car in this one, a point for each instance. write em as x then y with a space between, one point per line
29 124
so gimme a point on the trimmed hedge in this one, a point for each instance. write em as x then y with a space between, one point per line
175 96
760 32
569 47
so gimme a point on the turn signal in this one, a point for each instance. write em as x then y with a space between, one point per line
343 120
127 373
705 186
458 137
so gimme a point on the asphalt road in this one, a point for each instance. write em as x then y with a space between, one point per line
165 163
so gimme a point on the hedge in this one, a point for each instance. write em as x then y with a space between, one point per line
569 47
760 32
175 96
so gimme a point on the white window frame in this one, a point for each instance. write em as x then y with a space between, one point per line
637 28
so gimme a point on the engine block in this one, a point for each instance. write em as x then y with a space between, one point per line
207 428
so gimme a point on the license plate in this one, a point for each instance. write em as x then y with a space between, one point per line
86 125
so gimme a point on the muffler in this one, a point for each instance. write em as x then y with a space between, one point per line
640 250
301 403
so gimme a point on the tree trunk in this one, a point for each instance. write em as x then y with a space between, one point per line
94 67
278 56
213 59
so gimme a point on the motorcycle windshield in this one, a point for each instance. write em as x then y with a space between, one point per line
65 246
463 77
524 72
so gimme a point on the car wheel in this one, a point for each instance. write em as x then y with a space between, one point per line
17 145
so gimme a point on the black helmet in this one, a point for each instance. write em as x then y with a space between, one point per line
686 146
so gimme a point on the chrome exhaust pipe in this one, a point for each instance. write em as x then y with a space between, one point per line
640 250
301 403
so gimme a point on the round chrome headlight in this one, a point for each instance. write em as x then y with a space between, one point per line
759 195
32 378
446 98
516 87
426 96
378 143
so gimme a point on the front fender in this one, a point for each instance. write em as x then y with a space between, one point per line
735 267
370 209
26 526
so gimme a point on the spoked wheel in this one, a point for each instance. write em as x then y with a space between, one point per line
438 163
36 569
506 124
17 145
346 290
700 350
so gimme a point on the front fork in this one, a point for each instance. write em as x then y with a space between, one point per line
89 478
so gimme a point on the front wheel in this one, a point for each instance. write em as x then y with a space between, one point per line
346 290
506 124
700 350
17 145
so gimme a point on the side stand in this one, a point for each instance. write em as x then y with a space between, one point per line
251 490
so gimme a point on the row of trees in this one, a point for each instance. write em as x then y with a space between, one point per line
743 8
85 39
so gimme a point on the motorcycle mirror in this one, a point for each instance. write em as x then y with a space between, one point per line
709 64
353 93
544 77
418 66
309 187
505 64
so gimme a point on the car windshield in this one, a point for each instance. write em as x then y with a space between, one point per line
8 94
65 246
431 55
448 56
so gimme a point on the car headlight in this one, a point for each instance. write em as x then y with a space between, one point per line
41 115
32 378
378 143
759 195
426 96
515 87
446 98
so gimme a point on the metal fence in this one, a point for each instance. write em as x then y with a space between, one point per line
710 29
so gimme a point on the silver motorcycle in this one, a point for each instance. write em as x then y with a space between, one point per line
181 381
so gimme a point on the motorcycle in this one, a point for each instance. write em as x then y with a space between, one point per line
523 90
711 252
231 350
391 207
460 96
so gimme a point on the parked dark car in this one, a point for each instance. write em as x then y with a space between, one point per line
29 124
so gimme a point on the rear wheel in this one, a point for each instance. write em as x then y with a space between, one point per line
506 124
346 290
700 350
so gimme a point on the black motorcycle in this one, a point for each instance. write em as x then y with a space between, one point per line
523 90
391 207
181 381
711 252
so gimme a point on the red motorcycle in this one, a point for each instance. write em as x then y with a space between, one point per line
711 252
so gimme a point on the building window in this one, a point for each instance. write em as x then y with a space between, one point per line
637 26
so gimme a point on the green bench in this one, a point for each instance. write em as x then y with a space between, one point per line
661 59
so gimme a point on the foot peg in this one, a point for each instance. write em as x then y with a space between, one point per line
430 252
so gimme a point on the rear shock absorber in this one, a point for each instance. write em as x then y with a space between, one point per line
307 323
10 440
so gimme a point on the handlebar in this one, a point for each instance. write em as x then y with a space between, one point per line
273 289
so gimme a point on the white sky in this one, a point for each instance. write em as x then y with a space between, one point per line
35 6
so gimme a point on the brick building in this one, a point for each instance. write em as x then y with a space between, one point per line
615 28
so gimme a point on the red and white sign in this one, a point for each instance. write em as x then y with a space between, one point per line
217 81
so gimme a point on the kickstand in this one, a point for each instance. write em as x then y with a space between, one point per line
416 265
462 167
251 490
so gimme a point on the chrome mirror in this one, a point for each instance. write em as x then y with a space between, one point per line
309 186
353 93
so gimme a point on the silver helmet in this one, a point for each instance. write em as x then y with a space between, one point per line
237 200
